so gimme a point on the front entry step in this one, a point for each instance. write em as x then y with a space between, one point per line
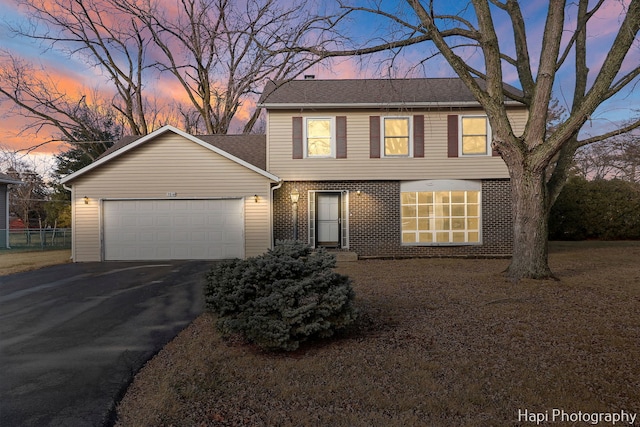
342 256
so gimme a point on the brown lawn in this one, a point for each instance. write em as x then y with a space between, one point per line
16 262
441 342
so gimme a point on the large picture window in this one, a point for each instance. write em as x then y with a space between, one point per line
396 131
319 137
474 135
440 217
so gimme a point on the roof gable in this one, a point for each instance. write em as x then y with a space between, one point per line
246 150
368 93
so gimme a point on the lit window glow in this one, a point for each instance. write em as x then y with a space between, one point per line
474 135
440 217
396 136
319 137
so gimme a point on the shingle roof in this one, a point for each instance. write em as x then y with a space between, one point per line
369 92
248 147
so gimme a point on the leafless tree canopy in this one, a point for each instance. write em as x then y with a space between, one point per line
617 157
45 104
107 40
221 53
26 200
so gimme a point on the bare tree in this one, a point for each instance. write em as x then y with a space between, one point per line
538 160
70 117
617 157
222 52
26 200
98 33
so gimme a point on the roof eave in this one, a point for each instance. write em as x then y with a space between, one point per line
383 106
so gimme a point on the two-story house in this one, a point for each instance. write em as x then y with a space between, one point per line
382 168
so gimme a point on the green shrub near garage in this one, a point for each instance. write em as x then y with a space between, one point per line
282 298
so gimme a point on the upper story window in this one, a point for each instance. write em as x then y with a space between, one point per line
475 136
396 136
319 137
397 139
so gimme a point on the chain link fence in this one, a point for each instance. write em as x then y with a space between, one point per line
35 238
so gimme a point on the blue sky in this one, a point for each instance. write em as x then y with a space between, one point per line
74 72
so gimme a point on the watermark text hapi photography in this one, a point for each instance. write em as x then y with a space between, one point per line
556 415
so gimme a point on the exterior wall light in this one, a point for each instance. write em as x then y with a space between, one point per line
255 198
86 200
359 193
295 196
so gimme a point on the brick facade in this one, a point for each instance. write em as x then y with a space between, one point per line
374 219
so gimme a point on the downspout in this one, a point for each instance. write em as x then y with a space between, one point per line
271 242
73 228
7 217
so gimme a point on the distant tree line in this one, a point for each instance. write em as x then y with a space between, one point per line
602 199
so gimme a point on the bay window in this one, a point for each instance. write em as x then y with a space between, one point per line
435 216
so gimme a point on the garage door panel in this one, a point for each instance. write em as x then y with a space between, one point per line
173 229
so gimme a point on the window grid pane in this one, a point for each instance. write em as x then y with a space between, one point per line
440 217
474 135
396 137
318 137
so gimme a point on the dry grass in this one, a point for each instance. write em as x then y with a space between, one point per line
16 262
440 342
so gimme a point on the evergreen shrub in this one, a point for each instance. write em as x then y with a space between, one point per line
599 209
282 298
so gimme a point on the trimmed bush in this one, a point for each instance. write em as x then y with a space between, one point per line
281 298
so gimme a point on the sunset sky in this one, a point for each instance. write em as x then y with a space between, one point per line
75 76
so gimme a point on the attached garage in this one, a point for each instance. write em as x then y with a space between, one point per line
170 195
173 229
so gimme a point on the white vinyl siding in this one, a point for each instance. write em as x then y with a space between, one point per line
169 166
359 166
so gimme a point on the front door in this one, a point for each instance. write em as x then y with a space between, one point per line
328 219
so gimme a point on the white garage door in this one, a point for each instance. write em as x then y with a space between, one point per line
173 229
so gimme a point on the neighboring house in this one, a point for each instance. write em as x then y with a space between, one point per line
383 168
5 181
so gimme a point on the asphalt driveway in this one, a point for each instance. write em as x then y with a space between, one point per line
72 336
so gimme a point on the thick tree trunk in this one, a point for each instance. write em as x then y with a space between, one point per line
529 204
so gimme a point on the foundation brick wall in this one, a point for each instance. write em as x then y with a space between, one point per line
374 219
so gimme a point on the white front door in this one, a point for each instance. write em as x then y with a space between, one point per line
328 219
